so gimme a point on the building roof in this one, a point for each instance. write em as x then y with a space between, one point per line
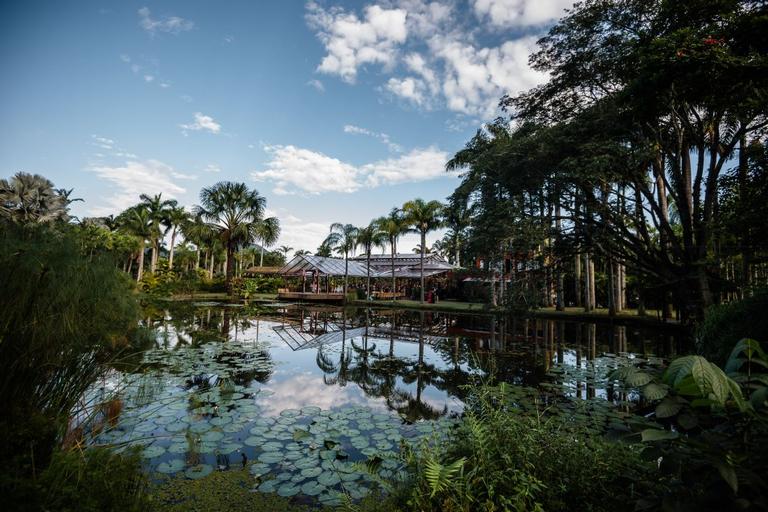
324 266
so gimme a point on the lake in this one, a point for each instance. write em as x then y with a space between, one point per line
299 393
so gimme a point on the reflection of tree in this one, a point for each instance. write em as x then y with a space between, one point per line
334 373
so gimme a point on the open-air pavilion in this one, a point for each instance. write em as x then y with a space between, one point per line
315 273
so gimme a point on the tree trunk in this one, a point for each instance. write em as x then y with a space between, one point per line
346 273
197 262
210 270
577 279
592 295
368 274
587 288
421 263
153 261
394 248
261 258
141 263
173 242
611 289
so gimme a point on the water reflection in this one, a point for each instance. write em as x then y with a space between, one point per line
415 364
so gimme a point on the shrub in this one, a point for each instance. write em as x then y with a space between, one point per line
726 324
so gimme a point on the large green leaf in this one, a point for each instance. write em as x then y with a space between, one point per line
752 352
670 406
653 391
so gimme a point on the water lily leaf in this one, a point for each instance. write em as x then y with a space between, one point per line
198 471
153 451
268 486
171 466
290 413
270 457
312 488
300 434
254 441
288 489
311 472
328 479
212 436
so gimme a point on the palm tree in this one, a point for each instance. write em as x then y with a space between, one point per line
176 218
368 237
31 199
197 231
301 252
343 238
137 221
267 233
324 250
158 209
392 226
233 212
285 250
423 217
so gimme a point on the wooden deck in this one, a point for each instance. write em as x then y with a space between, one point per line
310 297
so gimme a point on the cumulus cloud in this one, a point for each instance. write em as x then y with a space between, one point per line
352 42
168 24
202 122
520 13
298 170
433 60
138 177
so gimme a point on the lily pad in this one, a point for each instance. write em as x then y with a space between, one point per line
199 471
270 457
171 466
311 472
153 451
312 488
288 489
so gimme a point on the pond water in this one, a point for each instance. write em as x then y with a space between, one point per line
299 393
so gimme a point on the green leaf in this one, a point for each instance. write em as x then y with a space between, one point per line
653 434
653 391
729 475
670 406
687 421
300 434
750 348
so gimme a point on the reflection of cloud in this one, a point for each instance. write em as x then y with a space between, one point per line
306 389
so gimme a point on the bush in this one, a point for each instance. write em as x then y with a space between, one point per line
726 324
501 459
95 479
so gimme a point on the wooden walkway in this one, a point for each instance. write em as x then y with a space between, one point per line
311 297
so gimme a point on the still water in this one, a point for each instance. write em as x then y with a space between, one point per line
298 393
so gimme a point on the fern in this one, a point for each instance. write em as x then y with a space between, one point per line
440 477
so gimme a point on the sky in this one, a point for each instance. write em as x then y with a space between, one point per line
334 111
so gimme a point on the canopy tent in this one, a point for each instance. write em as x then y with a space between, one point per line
308 264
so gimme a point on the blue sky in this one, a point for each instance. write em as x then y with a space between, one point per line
334 111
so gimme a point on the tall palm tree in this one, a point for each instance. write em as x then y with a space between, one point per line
267 233
137 221
197 231
393 225
158 209
367 238
423 217
30 199
233 212
285 250
302 252
177 217
343 238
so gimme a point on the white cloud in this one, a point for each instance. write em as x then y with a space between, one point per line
431 57
149 78
297 170
352 42
135 178
476 78
317 84
520 13
383 137
202 122
168 24
229 39
212 168
125 58
103 142
292 169
409 88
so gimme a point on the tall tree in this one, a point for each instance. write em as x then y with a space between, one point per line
137 221
393 226
424 217
267 233
369 237
31 199
233 211
343 238
158 209
177 217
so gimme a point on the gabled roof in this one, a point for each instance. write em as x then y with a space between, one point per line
324 266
